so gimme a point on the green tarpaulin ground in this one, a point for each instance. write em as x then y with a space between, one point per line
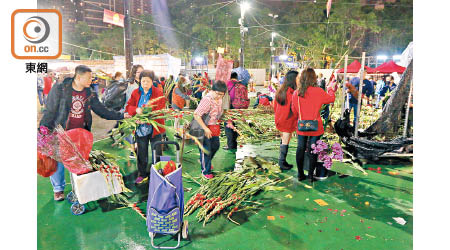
299 223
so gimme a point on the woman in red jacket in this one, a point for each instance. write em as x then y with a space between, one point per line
142 97
285 121
307 101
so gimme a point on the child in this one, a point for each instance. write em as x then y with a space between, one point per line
145 133
263 100
211 106
179 98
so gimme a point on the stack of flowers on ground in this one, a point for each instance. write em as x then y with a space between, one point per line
231 192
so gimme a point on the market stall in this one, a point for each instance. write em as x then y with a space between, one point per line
390 67
355 66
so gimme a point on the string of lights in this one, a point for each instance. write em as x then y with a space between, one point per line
78 46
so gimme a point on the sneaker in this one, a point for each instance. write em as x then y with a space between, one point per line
140 180
132 156
321 178
208 176
58 196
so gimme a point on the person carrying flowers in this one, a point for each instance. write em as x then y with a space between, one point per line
285 121
69 104
179 97
147 95
207 115
307 101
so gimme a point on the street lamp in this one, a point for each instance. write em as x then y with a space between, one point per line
382 58
198 59
273 16
244 7
397 57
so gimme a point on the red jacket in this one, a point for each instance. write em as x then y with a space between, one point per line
48 81
284 118
132 105
310 106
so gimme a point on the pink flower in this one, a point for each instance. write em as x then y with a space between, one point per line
44 130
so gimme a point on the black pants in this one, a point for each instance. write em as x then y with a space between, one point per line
142 153
231 137
304 148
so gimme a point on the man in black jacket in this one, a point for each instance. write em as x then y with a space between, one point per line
69 104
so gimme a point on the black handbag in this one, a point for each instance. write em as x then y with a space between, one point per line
195 129
306 125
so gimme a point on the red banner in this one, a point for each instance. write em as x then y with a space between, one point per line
329 7
113 18
223 69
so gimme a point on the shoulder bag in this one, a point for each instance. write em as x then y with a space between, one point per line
306 125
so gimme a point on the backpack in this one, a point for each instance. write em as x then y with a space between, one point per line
226 101
115 95
240 100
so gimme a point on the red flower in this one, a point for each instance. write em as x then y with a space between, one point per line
358 237
235 208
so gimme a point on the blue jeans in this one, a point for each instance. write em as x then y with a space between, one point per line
212 145
304 148
354 106
45 99
41 96
57 179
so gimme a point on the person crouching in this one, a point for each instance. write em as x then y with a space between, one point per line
263 99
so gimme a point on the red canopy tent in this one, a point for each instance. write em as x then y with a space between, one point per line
390 67
355 66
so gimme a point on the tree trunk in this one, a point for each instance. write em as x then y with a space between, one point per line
390 119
